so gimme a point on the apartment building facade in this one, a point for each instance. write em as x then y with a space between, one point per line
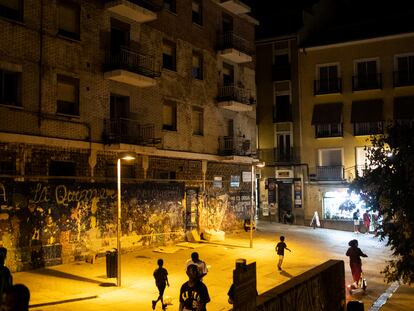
350 91
172 82
278 121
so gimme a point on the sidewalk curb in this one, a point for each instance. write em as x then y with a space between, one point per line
52 303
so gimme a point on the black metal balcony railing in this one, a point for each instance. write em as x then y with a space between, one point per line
281 72
368 128
367 82
327 86
229 145
274 156
328 130
129 131
146 4
330 173
403 78
229 40
127 59
231 92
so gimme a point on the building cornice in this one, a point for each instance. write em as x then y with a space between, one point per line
357 42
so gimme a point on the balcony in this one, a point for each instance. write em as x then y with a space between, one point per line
234 48
279 156
330 86
281 72
330 173
140 11
368 128
131 67
234 98
127 131
367 82
403 78
234 6
234 146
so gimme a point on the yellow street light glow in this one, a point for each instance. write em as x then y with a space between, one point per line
127 157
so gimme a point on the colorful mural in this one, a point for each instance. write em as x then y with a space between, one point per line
49 223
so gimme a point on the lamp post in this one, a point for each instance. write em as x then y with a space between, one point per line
255 164
127 157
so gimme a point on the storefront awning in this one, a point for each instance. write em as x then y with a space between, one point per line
367 111
404 108
327 113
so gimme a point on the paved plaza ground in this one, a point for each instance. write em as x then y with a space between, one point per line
53 288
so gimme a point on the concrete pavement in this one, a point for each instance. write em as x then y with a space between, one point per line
55 287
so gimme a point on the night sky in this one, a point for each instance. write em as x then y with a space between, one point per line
347 19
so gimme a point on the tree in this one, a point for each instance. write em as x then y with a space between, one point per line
387 187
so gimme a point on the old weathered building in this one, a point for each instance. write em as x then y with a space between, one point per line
172 82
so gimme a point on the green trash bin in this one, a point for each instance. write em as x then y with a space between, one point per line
112 263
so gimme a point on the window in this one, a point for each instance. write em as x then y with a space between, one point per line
197 66
163 174
328 130
327 119
197 120
330 164
69 19
328 81
281 67
169 55
170 5
362 161
10 88
367 117
12 9
284 147
366 75
169 116
405 71
282 111
197 12
404 110
67 95
62 168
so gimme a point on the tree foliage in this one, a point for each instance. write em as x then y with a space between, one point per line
387 187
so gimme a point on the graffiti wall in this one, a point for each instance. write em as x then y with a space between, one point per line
47 223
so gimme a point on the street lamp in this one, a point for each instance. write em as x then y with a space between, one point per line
126 157
255 164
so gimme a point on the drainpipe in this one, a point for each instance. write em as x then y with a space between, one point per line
39 108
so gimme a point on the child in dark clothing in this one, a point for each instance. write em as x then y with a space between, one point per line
161 280
6 279
355 254
280 249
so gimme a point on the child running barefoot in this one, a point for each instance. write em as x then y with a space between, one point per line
280 249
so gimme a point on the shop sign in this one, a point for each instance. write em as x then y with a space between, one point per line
218 182
247 176
297 186
235 181
284 174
